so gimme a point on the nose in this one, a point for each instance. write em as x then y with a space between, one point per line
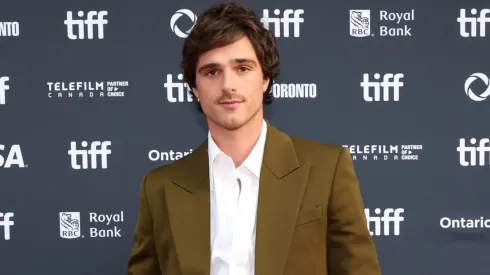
228 81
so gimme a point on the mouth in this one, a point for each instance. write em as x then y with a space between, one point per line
230 103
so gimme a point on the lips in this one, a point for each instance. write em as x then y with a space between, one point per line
228 102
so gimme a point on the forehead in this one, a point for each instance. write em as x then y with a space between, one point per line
242 48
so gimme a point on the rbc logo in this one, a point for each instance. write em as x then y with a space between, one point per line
360 23
70 225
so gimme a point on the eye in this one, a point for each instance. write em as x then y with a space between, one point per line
212 72
243 69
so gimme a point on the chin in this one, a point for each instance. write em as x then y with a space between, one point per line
229 120
232 123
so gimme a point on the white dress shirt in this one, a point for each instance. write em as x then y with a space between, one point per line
233 212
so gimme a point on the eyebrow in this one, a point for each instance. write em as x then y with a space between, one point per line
234 60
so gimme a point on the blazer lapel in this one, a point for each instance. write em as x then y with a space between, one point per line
188 206
281 188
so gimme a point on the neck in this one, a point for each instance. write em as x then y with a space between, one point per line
237 143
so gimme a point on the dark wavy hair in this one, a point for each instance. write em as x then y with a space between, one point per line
223 24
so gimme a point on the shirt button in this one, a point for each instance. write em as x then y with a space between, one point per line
239 187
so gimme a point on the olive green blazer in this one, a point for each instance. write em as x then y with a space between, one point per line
310 214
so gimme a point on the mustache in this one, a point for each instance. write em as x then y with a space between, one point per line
233 96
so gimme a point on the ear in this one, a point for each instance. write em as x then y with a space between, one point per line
265 84
195 92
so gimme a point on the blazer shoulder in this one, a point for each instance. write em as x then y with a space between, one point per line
180 169
167 170
311 150
159 171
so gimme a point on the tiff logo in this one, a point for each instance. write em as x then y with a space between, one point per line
285 21
181 92
389 81
383 224
6 222
90 23
97 148
482 149
473 21
3 88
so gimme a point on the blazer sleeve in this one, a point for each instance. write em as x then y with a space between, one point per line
143 259
350 248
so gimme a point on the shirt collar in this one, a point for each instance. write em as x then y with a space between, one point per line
254 159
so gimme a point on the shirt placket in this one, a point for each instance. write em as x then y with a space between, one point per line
226 195
242 225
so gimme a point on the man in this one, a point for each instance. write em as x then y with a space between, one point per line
250 199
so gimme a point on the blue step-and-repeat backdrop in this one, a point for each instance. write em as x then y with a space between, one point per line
92 97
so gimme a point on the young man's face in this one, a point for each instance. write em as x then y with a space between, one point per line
230 84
